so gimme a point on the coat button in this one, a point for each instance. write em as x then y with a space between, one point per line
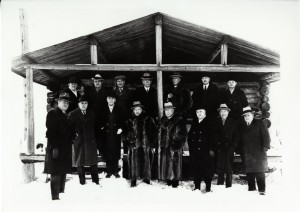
198 148
199 140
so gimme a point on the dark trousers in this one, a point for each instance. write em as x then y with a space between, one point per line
57 184
94 174
112 166
207 181
221 179
260 180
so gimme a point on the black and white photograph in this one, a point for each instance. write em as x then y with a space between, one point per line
159 105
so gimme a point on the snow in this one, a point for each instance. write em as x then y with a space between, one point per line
116 195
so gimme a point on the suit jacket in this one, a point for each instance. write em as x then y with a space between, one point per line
74 100
59 134
148 99
124 100
85 144
209 99
97 100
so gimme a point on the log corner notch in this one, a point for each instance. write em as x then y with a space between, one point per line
223 48
158 45
96 49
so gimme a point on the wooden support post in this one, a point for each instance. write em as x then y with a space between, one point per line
94 55
27 168
224 52
158 42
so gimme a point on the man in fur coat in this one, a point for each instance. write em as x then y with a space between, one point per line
112 122
179 95
171 139
226 140
85 144
140 134
74 94
255 143
58 160
201 149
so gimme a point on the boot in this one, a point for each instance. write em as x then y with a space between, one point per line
220 178
133 183
146 181
175 183
228 180
169 182
197 185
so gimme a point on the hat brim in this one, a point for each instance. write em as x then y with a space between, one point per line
171 76
141 106
149 78
67 100
170 107
223 109
246 112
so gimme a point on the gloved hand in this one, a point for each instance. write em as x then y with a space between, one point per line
119 131
211 153
153 150
55 153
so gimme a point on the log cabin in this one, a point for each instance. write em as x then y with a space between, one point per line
157 43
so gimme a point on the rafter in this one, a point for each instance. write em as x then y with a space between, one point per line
217 50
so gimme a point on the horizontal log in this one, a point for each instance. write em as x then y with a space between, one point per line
265 99
264 90
266 114
267 122
154 67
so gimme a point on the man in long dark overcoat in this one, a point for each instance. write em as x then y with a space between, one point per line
112 123
255 143
171 139
58 160
147 95
201 149
179 95
124 95
97 101
226 139
140 134
85 144
207 94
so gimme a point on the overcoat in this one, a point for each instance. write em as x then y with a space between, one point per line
148 99
110 122
235 101
124 100
171 139
96 99
209 99
181 99
254 138
140 133
226 140
74 100
85 145
200 142
59 135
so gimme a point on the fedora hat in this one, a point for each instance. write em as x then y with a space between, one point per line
223 107
97 77
176 74
247 110
146 76
122 77
73 80
83 98
168 105
64 96
111 93
136 104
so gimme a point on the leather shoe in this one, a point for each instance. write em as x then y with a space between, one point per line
108 175
117 175
146 181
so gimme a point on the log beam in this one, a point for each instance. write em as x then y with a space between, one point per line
94 55
94 41
163 67
28 170
217 50
158 44
224 53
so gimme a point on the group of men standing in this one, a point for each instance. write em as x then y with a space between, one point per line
100 119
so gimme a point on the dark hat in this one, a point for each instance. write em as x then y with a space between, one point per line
136 104
111 93
73 80
199 107
207 74
146 76
64 96
168 105
97 77
247 110
223 107
123 77
231 77
83 98
176 74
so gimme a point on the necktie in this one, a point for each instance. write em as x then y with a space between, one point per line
83 112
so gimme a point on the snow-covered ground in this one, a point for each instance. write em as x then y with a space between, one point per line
116 195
